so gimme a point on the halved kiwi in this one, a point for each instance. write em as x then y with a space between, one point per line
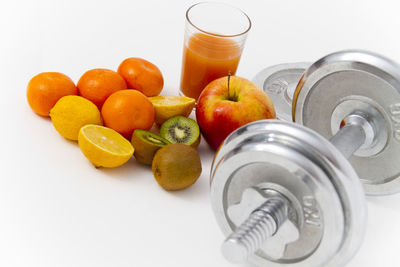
146 145
182 130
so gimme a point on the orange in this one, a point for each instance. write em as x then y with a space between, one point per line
98 84
127 110
142 75
46 88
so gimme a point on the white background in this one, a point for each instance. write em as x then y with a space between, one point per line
56 209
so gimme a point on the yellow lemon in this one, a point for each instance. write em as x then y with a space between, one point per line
170 106
103 146
72 112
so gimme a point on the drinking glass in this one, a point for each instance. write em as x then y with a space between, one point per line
215 34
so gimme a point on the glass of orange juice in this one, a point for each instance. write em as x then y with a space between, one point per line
215 34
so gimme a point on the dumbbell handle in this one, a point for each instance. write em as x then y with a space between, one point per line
358 131
349 139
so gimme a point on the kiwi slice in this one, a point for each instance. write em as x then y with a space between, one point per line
176 166
182 130
146 145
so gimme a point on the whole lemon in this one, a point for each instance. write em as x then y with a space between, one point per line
72 112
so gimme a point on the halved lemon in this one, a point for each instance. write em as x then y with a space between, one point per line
170 106
103 146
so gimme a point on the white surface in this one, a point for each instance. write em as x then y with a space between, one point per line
57 210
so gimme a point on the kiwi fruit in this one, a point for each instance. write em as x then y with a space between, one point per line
146 145
176 166
181 130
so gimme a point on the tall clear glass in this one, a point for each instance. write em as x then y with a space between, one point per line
215 34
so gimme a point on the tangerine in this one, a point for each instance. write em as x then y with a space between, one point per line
142 75
98 84
127 110
46 88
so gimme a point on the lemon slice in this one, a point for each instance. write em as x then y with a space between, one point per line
103 146
170 106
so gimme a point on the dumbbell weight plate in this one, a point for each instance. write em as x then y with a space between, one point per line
306 168
279 82
342 80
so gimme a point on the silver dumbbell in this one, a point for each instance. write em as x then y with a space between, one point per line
352 97
284 195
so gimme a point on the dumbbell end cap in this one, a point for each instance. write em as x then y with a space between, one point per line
234 251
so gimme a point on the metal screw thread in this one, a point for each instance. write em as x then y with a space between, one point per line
251 234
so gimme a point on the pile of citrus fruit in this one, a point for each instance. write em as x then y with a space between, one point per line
110 114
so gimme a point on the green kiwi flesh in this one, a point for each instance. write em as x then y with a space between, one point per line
146 145
181 130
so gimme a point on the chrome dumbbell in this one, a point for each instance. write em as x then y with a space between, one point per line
352 97
278 188
284 195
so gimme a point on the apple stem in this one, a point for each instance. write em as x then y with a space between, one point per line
230 97
234 96
229 90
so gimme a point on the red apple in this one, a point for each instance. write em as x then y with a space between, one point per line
229 103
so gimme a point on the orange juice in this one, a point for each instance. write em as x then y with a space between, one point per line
206 58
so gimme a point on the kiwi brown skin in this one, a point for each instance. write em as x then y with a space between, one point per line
176 166
144 151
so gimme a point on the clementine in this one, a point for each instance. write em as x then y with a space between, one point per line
98 84
46 88
142 75
127 110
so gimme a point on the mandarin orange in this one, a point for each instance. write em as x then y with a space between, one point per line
142 75
46 88
98 84
128 110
